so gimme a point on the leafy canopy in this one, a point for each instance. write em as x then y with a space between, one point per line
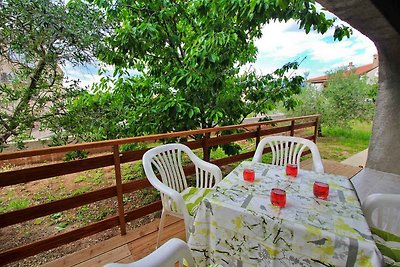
36 37
192 57
345 98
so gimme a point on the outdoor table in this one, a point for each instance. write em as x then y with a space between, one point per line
236 224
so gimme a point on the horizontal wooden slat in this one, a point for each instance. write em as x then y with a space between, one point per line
304 125
130 156
310 137
135 185
194 144
275 130
51 170
30 213
154 137
143 211
56 241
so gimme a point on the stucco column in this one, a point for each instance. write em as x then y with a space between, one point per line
384 148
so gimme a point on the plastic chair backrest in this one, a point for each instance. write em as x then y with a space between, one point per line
383 211
167 159
288 150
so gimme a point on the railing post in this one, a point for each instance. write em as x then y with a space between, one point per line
292 128
118 184
258 135
206 152
316 129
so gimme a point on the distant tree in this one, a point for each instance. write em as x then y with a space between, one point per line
346 97
36 37
349 97
191 55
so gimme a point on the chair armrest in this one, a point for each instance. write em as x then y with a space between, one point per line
318 166
207 166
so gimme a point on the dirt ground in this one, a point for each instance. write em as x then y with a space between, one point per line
47 190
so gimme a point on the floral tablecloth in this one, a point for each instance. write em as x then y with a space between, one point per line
236 225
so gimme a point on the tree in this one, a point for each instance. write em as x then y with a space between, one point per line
36 37
191 56
349 97
346 97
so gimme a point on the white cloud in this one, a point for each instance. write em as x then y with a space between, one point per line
283 42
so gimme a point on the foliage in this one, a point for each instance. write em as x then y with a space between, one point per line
36 37
76 154
346 97
191 56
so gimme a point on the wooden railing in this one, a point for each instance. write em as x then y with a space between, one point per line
212 137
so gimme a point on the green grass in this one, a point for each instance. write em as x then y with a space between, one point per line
132 171
359 131
79 179
88 214
81 190
17 204
339 144
217 153
96 176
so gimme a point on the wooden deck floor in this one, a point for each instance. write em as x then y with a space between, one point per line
141 242
133 246
334 167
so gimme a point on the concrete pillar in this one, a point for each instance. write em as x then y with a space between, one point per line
384 148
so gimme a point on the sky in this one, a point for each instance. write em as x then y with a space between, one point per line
281 43
284 42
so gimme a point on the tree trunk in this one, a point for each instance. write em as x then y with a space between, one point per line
384 149
23 104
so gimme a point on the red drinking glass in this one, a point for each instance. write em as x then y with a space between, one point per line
249 175
278 197
321 190
291 170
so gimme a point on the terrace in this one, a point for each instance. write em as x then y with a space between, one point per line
136 243
139 241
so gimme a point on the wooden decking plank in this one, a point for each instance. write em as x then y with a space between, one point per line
128 259
151 246
172 229
105 246
333 167
146 245
111 256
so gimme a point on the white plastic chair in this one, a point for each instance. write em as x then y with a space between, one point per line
383 211
288 150
175 250
167 159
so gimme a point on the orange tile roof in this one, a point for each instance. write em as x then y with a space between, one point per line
319 79
364 69
359 71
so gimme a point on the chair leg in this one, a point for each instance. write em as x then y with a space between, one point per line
160 227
